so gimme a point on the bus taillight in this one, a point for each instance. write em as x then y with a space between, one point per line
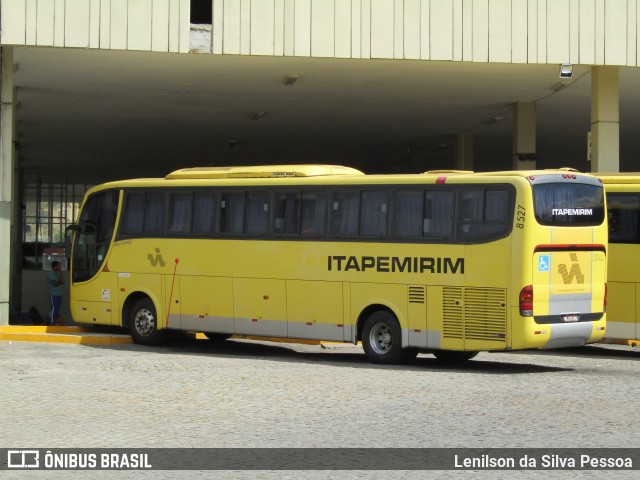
604 305
526 301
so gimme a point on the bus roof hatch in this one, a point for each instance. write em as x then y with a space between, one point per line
264 171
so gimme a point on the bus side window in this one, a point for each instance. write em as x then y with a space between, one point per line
470 211
374 214
408 215
231 212
314 214
496 212
204 213
180 206
344 214
624 218
154 213
287 213
133 217
257 218
438 214
483 213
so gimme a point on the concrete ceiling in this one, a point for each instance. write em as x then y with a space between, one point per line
100 115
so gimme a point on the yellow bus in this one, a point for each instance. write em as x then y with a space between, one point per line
449 264
623 206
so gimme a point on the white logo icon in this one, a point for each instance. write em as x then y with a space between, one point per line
23 458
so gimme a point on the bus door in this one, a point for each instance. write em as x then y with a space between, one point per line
94 285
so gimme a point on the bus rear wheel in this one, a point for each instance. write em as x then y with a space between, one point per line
143 323
452 356
382 339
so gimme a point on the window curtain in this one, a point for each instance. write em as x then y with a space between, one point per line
345 215
497 206
373 218
438 221
408 215
550 196
133 213
154 214
180 207
287 213
204 213
233 213
257 221
314 214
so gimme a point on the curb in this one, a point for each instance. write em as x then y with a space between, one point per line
61 334
101 336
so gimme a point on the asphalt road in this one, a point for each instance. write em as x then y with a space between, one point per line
242 393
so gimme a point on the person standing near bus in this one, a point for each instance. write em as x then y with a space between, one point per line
55 280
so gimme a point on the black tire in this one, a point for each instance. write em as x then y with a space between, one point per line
454 356
143 323
217 337
382 339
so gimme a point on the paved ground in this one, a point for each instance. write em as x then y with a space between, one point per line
257 394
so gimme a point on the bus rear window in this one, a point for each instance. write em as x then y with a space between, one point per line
568 204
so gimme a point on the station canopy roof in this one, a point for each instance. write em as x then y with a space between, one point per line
106 115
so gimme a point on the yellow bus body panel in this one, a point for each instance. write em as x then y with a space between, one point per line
623 281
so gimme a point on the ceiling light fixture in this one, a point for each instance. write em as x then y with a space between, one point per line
566 70
289 80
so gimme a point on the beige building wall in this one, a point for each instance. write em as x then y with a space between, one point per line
505 31
146 25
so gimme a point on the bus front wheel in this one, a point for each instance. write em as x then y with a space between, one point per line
382 339
143 323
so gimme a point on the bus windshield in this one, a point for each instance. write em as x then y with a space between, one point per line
95 229
568 204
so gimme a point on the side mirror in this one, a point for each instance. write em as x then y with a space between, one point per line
68 239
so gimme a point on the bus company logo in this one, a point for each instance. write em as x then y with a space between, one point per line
156 259
575 272
23 459
572 211
343 263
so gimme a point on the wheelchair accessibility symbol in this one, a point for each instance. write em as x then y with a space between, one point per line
543 263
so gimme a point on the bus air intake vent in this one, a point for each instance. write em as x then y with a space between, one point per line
474 313
452 311
417 294
485 314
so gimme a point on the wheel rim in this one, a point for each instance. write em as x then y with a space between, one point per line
381 338
144 322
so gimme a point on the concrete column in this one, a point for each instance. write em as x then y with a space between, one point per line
464 151
605 120
524 136
7 113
